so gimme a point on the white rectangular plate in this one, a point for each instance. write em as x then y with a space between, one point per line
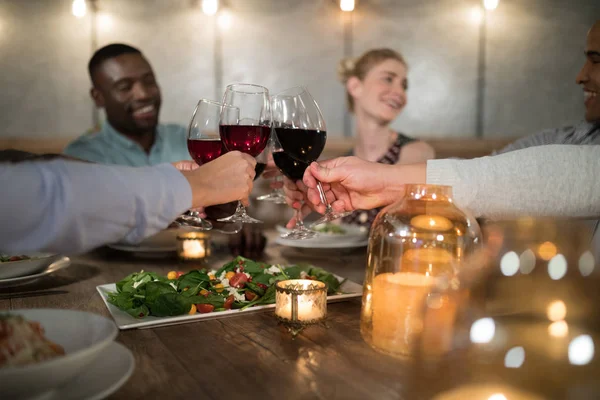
126 321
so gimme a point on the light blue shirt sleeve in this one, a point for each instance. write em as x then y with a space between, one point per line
71 207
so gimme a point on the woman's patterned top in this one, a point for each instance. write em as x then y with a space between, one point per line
366 217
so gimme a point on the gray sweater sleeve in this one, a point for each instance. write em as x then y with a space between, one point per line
553 180
545 137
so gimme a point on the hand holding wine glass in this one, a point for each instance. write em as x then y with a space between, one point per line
246 131
301 131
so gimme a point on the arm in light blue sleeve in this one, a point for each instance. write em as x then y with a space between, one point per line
71 207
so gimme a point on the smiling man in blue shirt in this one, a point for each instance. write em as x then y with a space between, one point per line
124 84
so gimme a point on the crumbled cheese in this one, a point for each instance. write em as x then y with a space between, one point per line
225 282
303 274
236 295
248 275
274 269
222 276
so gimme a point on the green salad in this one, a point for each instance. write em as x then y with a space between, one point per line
239 284
7 258
330 228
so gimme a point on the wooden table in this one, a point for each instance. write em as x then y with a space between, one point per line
243 357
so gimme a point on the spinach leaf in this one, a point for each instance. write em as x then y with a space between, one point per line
294 271
333 285
156 289
169 304
255 288
133 281
129 303
268 298
262 278
193 278
252 267
212 298
138 312
230 266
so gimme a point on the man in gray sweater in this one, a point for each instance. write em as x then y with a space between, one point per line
587 132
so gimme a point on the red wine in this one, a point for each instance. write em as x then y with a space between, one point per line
302 144
259 168
245 138
291 168
203 151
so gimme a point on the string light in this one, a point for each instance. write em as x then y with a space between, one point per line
490 4
224 19
105 22
477 15
79 8
210 7
347 5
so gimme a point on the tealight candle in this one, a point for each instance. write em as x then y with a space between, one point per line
398 304
431 223
300 302
193 246
487 392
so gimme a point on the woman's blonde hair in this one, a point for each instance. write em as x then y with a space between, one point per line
360 66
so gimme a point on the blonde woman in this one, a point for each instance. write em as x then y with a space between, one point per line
376 89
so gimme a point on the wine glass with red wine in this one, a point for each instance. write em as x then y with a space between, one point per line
247 131
301 131
294 170
204 145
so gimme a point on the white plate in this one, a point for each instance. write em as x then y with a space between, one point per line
15 269
318 243
101 378
62 262
352 232
126 321
83 336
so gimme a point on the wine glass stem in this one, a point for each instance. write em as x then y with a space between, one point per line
299 222
240 210
323 198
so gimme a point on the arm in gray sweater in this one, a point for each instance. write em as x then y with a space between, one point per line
553 180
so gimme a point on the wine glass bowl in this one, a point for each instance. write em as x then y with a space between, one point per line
248 130
204 145
300 136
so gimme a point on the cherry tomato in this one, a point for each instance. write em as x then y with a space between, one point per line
250 295
238 280
228 302
205 308
179 273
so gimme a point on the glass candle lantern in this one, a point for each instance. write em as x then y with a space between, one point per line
530 327
193 246
415 245
300 303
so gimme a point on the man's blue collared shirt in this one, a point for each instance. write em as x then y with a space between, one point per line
110 147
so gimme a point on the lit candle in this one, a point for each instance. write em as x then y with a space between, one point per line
193 249
306 310
307 297
399 304
193 245
486 392
398 301
431 223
